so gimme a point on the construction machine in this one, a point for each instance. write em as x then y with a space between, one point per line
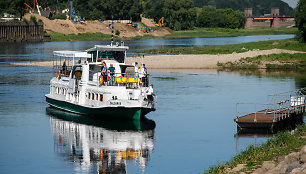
160 22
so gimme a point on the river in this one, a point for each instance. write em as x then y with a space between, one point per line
191 129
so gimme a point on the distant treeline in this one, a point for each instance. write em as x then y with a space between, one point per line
224 18
178 14
182 15
260 7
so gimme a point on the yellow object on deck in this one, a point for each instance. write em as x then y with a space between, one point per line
131 80
118 80
124 79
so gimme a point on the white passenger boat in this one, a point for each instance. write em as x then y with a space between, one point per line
78 88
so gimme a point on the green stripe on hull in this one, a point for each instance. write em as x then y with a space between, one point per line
118 112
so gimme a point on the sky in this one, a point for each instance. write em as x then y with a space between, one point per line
292 3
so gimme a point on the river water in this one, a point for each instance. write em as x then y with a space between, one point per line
191 129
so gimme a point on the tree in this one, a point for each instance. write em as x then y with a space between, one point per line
227 18
234 19
181 14
178 14
210 17
300 20
260 7
109 9
15 7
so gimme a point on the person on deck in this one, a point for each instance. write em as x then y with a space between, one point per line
104 71
143 74
150 93
64 67
136 70
112 72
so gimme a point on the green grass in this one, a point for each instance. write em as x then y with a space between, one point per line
273 61
225 32
282 144
289 44
80 37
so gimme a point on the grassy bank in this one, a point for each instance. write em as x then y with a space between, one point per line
282 144
198 32
289 44
226 32
80 37
273 61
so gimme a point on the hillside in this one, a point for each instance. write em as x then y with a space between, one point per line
94 26
260 7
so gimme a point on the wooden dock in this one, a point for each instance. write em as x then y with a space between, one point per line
279 113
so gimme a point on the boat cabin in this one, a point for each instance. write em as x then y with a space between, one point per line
87 66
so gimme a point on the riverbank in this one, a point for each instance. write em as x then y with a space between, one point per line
285 153
226 32
203 61
198 32
273 61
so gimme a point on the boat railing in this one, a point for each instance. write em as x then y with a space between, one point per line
280 109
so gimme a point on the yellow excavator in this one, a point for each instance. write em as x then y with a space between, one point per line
160 22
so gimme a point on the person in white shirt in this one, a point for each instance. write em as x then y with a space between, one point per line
136 70
150 93
141 74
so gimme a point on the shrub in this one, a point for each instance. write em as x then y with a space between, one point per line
33 19
117 32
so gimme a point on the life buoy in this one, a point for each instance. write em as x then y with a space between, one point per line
59 74
101 79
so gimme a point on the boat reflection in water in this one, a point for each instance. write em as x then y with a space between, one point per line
101 146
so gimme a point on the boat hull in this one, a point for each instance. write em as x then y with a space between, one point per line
111 112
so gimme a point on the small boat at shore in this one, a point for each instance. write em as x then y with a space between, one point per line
79 86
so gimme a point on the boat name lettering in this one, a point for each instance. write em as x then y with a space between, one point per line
115 103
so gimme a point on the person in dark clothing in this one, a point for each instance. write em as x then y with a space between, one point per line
104 73
112 72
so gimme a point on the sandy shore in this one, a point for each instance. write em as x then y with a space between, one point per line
201 61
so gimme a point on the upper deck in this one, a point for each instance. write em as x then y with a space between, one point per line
107 52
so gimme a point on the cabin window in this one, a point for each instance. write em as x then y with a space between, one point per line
92 96
88 95
57 89
101 97
97 97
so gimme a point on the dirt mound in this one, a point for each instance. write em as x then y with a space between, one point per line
148 22
161 31
68 27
